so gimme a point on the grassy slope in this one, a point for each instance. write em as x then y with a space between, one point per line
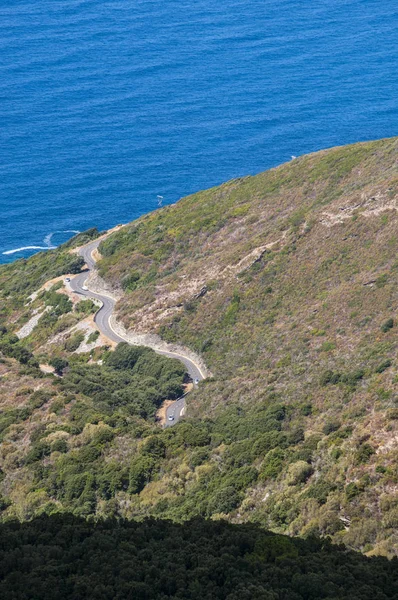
297 430
271 331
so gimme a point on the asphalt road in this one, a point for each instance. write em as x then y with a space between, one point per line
101 319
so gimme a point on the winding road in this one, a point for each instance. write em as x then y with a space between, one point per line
102 320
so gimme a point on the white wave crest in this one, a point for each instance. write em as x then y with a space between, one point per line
29 248
47 241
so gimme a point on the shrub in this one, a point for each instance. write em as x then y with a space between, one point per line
303 453
363 454
60 304
298 472
75 265
231 314
381 469
154 447
124 356
350 379
86 307
320 490
88 454
24 391
272 464
330 377
74 341
383 366
268 441
103 436
224 500
82 238
59 364
390 519
37 452
60 445
242 478
57 405
39 398
129 282
140 473
381 281
198 457
93 337
387 325
295 436
10 346
194 436
351 491
327 346
343 433
392 414
331 426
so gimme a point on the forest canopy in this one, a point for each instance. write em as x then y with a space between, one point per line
63 557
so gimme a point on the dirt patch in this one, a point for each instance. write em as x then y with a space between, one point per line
96 254
31 324
96 284
367 207
89 326
73 296
46 368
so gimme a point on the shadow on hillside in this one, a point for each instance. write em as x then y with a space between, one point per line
63 556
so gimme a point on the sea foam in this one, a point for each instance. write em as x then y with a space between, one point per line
29 248
47 241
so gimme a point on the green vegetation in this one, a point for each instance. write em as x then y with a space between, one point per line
11 346
286 284
59 364
387 325
63 557
306 322
21 278
73 459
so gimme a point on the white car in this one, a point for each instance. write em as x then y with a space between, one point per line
85 288
67 279
171 418
196 381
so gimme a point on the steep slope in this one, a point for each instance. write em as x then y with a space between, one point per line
286 284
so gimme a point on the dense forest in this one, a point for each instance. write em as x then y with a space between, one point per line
65 557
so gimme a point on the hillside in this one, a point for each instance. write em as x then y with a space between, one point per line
286 284
65 557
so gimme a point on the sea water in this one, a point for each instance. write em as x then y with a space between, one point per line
109 109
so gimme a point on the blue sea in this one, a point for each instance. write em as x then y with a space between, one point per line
111 107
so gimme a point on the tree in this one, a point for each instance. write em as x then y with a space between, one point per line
76 265
224 500
125 356
59 364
